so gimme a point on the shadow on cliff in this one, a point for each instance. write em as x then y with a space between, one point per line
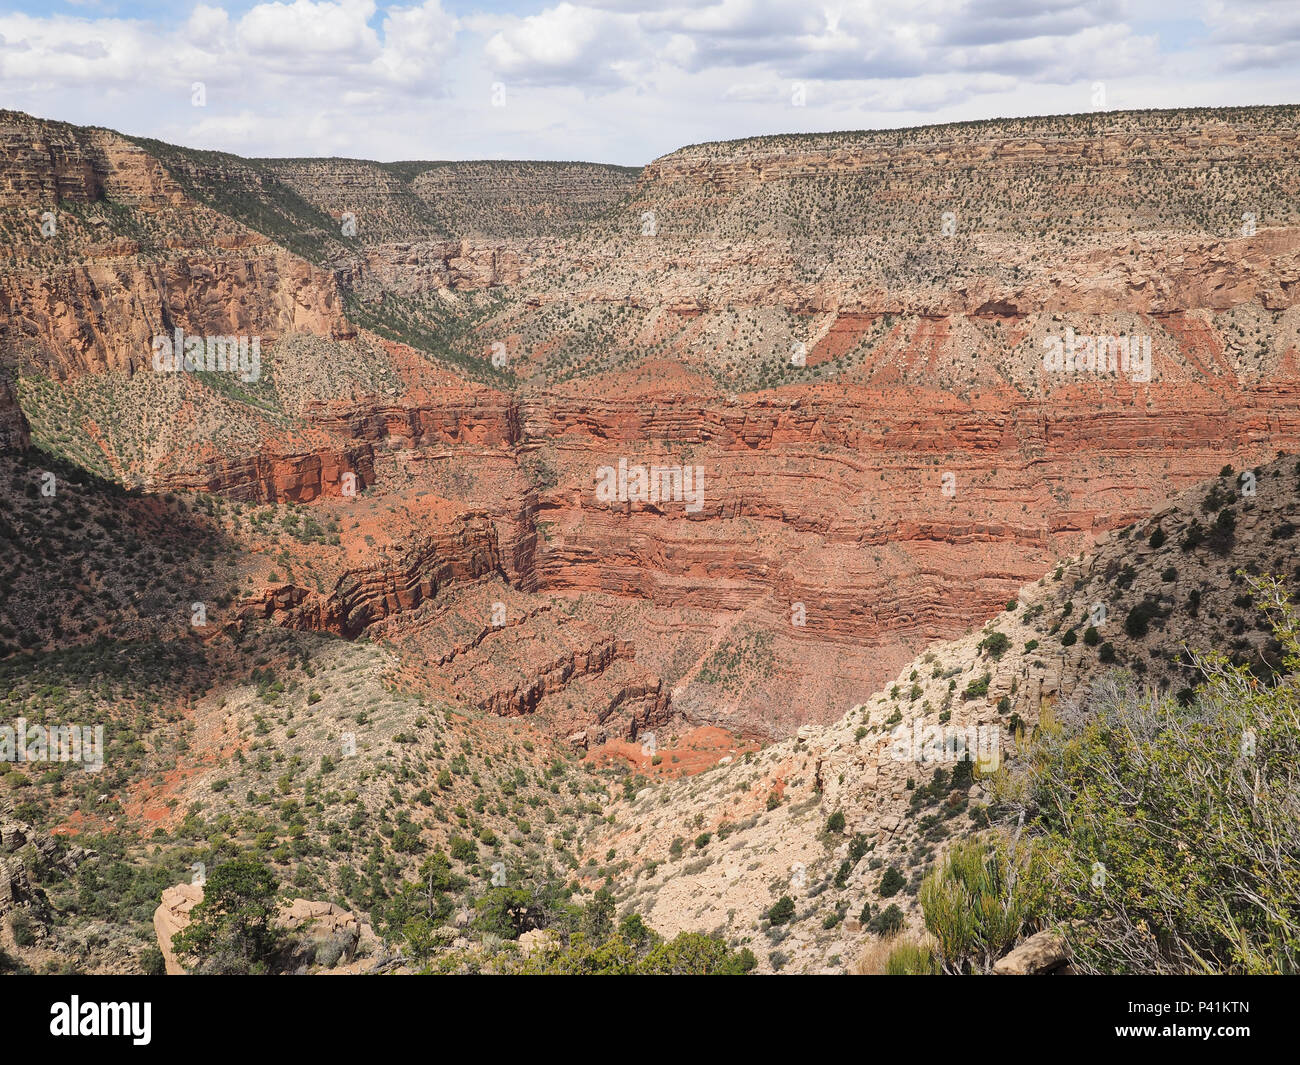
88 563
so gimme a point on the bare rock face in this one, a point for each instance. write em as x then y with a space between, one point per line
25 848
464 551
15 885
636 698
274 477
424 267
457 415
78 299
101 317
172 916
51 161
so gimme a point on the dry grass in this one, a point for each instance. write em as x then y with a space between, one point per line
876 953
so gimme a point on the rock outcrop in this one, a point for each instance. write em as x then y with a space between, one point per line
173 916
463 551
26 850
320 933
269 476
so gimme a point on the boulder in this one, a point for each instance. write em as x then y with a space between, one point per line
536 939
325 933
1040 954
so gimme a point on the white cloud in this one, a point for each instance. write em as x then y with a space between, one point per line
564 45
304 28
207 24
417 42
1262 33
624 80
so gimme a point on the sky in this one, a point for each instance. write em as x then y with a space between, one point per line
618 81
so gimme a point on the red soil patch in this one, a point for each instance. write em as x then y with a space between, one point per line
693 753
841 338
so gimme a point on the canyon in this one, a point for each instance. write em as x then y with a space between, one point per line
901 479
844 333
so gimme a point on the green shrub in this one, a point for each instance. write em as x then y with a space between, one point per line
231 930
971 905
1138 622
1199 875
1222 534
995 643
23 928
887 921
152 962
508 912
891 883
977 688
633 949
781 911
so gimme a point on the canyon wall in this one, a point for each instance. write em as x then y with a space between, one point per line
884 454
